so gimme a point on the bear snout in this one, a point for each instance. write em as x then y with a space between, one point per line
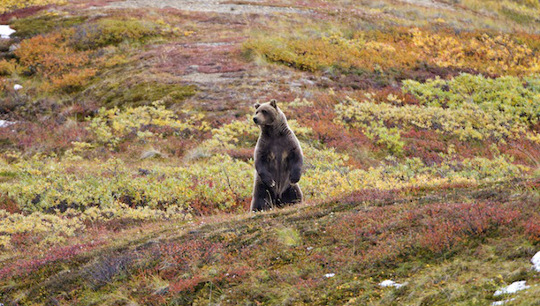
255 120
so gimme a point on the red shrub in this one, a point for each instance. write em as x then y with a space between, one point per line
187 284
441 237
447 224
22 13
320 118
25 266
242 153
532 228
204 58
45 136
234 274
393 232
7 204
50 55
185 256
524 151
382 94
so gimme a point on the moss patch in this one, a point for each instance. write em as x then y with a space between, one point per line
106 32
31 26
137 92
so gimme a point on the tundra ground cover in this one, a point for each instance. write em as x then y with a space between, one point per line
8 5
128 157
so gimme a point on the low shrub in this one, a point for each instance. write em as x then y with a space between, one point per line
137 91
10 5
519 98
43 24
107 32
111 126
398 52
71 81
7 68
49 55
467 122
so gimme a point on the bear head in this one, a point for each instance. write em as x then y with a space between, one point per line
266 113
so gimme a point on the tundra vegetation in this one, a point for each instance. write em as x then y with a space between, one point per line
126 157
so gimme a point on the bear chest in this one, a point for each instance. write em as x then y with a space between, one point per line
277 156
276 153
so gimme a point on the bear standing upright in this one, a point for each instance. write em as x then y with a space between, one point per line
278 160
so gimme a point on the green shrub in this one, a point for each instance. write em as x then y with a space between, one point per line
114 125
388 137
218 183
31 26
107 32
519 98
134 91
469 108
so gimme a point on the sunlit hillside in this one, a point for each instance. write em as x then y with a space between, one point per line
126 152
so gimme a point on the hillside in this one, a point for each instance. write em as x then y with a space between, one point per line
126 146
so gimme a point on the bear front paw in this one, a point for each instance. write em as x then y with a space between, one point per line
269 182
295 177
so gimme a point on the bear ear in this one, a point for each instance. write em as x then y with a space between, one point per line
273 103
256 105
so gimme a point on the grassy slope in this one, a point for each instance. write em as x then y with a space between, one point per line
281 257
452 243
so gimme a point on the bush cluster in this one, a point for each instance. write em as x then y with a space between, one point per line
400 49
9 5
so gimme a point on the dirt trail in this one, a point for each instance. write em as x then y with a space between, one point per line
247 7
226 83
429 3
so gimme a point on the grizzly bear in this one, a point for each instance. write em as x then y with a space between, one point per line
278 160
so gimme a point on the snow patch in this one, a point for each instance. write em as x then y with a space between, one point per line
390 283
536 261
4 123
328 275
501 302
513 288
5 31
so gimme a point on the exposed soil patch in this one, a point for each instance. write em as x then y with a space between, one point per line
211 58
251 7
203 58
429 3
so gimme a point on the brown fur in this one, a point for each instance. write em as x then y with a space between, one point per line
278 160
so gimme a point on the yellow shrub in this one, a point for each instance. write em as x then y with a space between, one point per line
72 81
8 68
50 55
8 5
444 51
493 54
114 125
399 49
54 228
470 121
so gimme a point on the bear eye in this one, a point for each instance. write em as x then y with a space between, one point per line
264 111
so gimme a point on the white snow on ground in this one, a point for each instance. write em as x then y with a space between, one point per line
17 87
513 288
390 283
4 123
536 261
328 275
501 302
5 31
